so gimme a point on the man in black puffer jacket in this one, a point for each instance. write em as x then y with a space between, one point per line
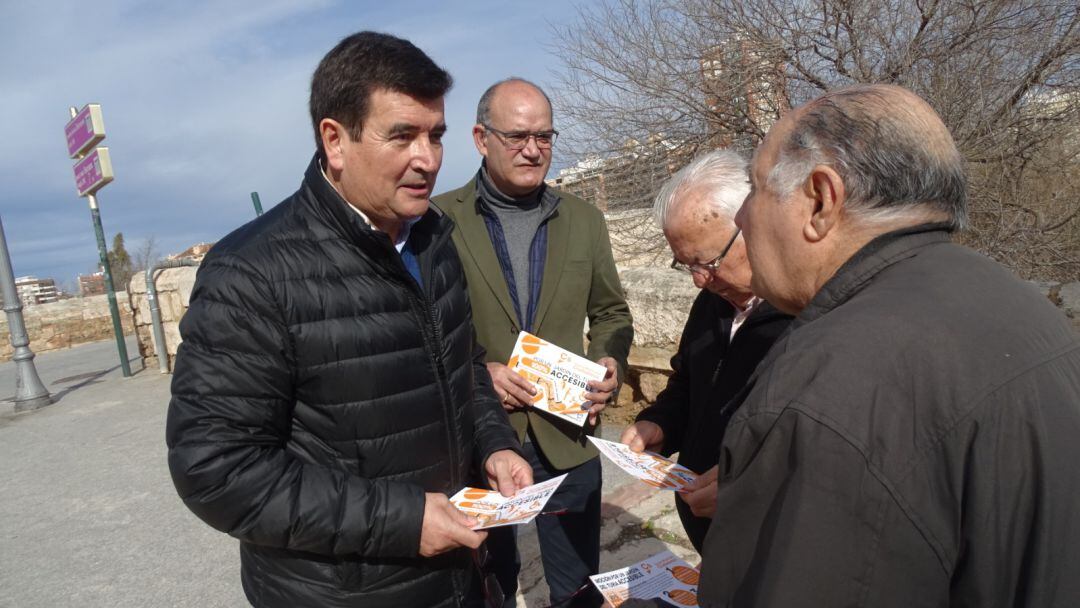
329 393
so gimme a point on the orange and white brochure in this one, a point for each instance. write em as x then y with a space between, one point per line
653 469
662 576
494 509
560 376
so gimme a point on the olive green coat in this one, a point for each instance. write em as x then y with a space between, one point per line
579 282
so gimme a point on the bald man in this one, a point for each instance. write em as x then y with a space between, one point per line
539 260
913 440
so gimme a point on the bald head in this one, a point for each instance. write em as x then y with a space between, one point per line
514 86
893 153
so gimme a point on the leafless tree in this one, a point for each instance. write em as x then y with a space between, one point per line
146 254
655 82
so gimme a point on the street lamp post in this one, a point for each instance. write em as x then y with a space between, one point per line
30 393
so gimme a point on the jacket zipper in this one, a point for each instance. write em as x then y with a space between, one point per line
434 348
440 373
433 344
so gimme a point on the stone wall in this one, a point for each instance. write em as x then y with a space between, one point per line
659 298
173 287
66 323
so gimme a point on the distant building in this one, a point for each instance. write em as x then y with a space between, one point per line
195 252
92 284
745 92
585 180
33 291
627 180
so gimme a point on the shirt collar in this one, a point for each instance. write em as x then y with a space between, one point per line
403 234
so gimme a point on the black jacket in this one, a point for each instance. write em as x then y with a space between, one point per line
912 441
319 393
709 369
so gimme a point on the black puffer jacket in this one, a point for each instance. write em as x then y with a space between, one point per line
319 392
709 369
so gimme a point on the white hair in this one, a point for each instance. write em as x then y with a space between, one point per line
720 173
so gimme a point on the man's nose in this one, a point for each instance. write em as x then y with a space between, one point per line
700 280
426 156
531 149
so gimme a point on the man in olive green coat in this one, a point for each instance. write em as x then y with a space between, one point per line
540 260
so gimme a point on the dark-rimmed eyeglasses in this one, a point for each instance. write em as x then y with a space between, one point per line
706 268
517 140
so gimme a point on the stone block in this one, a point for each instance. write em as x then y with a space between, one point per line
1048 289
142 311
1069 294
172 337
32 322
137 285
185 283
144 339
652 357
660 299
627 395
650 384
169 279
172 309
56 341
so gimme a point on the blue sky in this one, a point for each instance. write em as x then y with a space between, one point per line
205 102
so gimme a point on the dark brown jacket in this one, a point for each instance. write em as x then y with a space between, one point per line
913 441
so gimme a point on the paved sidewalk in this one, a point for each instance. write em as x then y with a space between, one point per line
89 516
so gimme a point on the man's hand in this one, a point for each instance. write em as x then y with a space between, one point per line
514 392
445 527
507 472
600 392
643 435
701 495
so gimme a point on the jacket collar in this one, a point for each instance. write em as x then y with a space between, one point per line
476 243
877 255
325 202
558 241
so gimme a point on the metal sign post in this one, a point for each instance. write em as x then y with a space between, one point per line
258 204
92 172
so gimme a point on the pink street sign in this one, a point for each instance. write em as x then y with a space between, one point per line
85 130
93 172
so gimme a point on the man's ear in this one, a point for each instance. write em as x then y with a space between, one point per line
334 136
826 191
478 133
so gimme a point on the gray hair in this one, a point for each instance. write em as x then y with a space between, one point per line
894 162
721 173
483 108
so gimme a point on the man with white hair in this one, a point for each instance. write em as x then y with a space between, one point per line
728 331
913 439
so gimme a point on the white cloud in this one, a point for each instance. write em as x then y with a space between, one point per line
205 102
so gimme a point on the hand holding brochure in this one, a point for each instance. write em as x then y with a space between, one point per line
662 576
653 469
494 509
560 376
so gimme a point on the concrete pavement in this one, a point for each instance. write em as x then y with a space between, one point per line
89 516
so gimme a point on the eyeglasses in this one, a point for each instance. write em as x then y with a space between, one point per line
517 140
707 267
